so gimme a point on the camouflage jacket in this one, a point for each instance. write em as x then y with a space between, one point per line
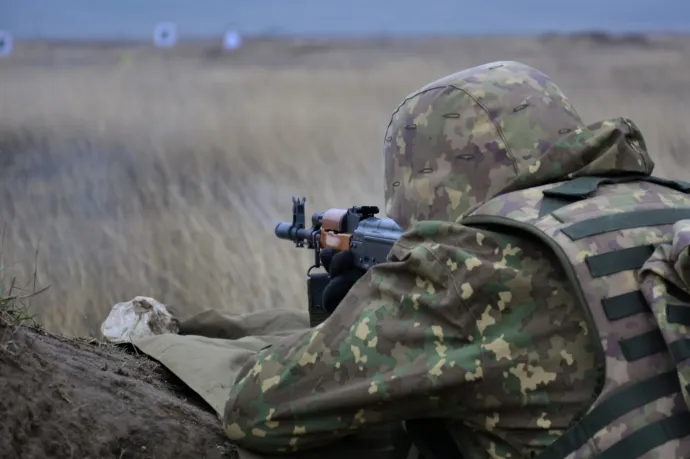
477 327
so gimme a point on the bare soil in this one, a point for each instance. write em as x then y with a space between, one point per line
82 399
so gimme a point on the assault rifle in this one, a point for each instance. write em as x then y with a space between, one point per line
355 229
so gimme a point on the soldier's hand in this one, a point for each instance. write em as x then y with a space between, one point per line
344 274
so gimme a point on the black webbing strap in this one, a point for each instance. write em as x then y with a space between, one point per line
582 187
678 185
680 349
617 261
550 204
643 345
625 220
625 305
623 402
678 293
678 314
572 191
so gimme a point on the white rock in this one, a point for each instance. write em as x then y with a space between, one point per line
138 318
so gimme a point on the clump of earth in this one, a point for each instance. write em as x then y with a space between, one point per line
83 399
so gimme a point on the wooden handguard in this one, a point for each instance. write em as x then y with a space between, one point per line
332 227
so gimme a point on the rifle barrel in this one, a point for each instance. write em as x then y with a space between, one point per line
285 230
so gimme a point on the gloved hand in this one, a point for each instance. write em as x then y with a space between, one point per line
344 274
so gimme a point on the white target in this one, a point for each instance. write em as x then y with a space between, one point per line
165 35
232 40
6 43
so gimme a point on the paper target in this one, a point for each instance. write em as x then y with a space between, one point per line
6 43
165 35
232 40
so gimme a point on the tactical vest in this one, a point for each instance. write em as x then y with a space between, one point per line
602 230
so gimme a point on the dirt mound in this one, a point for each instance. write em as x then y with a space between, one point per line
81 399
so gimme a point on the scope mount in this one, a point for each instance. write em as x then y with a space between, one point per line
366 211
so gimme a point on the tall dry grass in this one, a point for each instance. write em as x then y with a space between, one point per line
141 173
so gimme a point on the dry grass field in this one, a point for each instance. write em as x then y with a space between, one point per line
140 172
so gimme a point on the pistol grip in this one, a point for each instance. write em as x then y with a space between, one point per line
316 283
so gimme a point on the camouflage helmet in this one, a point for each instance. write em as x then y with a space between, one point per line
467 137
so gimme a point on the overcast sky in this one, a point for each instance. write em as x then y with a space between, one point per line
135 19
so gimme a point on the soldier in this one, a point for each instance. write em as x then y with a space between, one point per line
535 306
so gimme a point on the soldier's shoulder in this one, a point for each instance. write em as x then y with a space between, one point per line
448 240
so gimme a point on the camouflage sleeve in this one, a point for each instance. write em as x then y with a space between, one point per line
401 345
665 284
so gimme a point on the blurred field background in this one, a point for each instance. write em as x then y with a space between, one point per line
136 171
